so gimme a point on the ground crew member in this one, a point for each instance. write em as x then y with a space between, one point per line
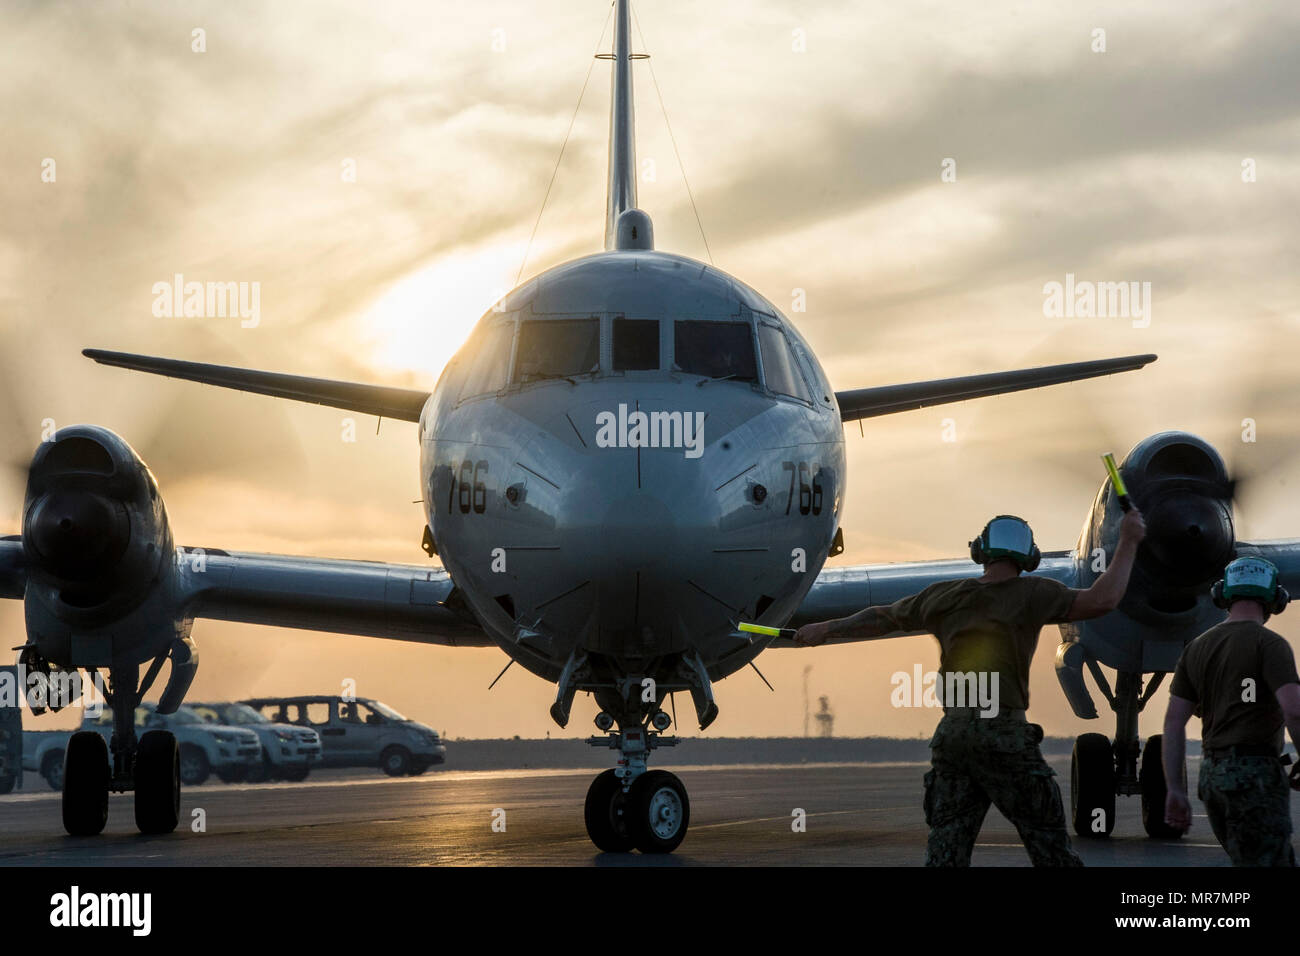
989 626
1240 679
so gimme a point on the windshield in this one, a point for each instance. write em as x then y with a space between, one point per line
242 714
184 716
557 348
715 349
385 710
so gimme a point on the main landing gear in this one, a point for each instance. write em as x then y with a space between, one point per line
149 766
1100 770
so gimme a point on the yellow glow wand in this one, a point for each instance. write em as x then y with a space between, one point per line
1116 482
767 631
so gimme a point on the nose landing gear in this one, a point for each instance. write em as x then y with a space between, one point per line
631 807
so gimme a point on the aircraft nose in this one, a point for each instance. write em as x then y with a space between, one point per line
638 532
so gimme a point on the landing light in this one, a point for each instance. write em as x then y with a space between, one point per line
604 721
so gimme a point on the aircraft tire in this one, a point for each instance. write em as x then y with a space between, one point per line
1151 777
157 783
1092 786
658 812
85 784
604 814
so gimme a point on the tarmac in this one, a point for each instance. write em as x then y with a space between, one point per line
854 813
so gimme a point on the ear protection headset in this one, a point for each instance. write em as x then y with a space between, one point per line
1252 578
1006 536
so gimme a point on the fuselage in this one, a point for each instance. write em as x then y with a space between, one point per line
632 452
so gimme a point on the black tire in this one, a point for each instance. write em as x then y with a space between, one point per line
262 771
395 761
157 783
418 768
7 785
195 768
1151 778
52 769
1092 786
296 774
85 784
658 812
603 812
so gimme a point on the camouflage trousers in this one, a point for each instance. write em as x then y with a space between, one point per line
980 761
1248 801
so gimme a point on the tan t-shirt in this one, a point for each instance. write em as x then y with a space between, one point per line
1232 673
987 628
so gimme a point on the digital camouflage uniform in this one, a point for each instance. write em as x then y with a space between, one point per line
989 627
1248 801
1247 795
980 761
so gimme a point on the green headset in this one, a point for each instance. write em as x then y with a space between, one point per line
1253 579
1006 536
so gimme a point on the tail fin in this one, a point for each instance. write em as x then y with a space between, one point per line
622 127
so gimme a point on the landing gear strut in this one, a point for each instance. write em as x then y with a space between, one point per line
149 766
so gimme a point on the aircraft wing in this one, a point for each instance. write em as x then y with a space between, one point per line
887 399
839 592
405 602
401 403
397 601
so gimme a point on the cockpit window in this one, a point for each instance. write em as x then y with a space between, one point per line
636 344
779 369
557 348
715 349
489 360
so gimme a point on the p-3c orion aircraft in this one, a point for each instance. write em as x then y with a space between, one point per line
626 459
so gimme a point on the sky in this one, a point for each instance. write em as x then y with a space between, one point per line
379 169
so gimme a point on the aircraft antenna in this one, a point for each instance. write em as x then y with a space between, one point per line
673 139
554 172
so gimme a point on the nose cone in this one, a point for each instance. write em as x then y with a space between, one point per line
75 533
1190 536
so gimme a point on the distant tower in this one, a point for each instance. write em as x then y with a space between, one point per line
825 717
807 669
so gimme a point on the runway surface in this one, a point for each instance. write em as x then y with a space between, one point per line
857 814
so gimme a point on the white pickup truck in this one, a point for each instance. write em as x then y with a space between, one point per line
229 752
288 752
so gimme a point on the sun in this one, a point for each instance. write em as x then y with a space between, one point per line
418 323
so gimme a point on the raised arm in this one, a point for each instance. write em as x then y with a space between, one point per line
1108 590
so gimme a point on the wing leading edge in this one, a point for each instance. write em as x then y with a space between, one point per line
403 404
888 399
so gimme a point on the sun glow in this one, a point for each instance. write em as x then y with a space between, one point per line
419 322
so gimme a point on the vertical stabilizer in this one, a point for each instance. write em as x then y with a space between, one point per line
622 136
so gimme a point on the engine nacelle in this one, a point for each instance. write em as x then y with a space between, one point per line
1180 484
101 568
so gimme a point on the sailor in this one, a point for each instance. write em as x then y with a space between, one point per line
987 629
1240 679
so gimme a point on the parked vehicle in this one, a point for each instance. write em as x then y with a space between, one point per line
205 748
288 752
11 736
359 732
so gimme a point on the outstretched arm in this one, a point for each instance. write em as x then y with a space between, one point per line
868 623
